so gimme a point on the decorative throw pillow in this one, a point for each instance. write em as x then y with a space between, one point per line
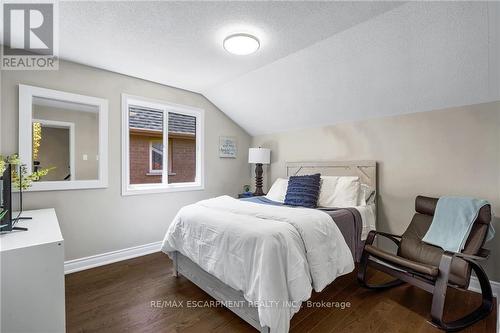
303 191
277 192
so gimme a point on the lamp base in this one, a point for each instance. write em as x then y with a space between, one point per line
258 193
258 180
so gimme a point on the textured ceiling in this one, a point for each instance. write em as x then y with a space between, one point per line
417 57
180 43
319 62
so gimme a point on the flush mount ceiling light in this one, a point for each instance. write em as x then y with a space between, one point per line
241 44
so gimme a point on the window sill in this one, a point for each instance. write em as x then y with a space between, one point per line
152 189
159 174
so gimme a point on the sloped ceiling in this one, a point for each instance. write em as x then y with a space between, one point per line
179 43
319 62
417 57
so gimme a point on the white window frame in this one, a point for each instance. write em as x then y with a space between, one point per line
151 170
164 186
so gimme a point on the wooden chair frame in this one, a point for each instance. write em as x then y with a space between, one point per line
436 286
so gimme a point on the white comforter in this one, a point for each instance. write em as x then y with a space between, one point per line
274 255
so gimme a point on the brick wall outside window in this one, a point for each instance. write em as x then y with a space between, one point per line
182 160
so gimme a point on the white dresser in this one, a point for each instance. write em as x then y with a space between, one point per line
32 276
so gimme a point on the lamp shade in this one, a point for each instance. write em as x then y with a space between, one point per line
259 155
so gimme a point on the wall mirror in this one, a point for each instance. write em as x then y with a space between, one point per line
65 132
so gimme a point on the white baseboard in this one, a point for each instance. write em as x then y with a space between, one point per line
81 264
474 286
495 289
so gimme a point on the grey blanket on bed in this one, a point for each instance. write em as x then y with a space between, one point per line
348 220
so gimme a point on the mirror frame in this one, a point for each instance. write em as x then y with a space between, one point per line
26 94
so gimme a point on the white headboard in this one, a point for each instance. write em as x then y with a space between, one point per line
366 170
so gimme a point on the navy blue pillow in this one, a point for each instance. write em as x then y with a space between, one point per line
303 191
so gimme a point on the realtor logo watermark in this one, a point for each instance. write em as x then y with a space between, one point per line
30 40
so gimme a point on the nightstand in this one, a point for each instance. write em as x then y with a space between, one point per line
245 195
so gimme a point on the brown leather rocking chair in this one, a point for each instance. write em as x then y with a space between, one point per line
430 267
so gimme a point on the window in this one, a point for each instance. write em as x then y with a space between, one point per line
156 156
162 146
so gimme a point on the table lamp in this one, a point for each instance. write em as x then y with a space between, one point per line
259 156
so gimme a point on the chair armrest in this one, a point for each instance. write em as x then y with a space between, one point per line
447 257
482 255
485 253
371 237
445 266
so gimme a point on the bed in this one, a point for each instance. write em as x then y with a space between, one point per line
290 250
353 222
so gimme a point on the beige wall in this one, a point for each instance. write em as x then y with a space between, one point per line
98 221
54 152
453 151
447 152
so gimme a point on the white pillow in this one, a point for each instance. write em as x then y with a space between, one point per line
339 192
366 195
277 192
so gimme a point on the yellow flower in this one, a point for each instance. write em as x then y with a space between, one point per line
37 138
27 179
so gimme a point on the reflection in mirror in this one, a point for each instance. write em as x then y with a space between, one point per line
65 137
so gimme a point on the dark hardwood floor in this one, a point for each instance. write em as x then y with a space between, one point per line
118 298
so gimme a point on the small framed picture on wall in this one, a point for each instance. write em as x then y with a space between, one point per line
227 147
